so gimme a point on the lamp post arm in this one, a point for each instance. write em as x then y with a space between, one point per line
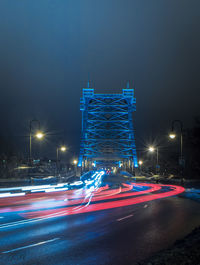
179 122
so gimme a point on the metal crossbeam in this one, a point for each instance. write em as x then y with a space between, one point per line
107 128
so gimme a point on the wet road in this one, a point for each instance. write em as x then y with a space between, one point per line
66 227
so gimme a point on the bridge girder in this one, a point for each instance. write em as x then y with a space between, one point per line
107 128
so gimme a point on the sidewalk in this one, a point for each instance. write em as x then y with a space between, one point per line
183 252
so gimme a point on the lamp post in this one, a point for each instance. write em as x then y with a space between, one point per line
172 135
75 162
39 135
140 162
152 149
62 149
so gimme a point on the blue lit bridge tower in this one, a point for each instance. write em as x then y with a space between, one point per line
107 130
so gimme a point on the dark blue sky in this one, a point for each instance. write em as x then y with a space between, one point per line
49 48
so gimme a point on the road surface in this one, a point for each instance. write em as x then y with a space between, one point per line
98 224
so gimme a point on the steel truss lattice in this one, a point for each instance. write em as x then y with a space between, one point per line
107 129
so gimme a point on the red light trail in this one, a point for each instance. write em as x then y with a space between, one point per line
60 203
111 202
44 205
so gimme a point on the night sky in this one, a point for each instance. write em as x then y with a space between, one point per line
49 49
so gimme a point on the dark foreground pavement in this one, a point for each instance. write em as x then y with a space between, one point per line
183 252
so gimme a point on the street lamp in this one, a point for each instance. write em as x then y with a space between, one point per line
140 162
62 149
75 162
152 149
172 136
39 135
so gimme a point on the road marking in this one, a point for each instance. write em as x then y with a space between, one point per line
128 216
30 246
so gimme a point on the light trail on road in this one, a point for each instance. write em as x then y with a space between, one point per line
103 213
89 198
111 203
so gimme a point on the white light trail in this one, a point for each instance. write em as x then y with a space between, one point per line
8 194
54 190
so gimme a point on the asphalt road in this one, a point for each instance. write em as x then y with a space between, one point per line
30 234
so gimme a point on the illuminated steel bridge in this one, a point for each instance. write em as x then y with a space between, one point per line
107 130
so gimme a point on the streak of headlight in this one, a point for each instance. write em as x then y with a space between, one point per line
110 204
8 189
53 190
5 195
43 187
27 188
35 187
76 183
40 190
